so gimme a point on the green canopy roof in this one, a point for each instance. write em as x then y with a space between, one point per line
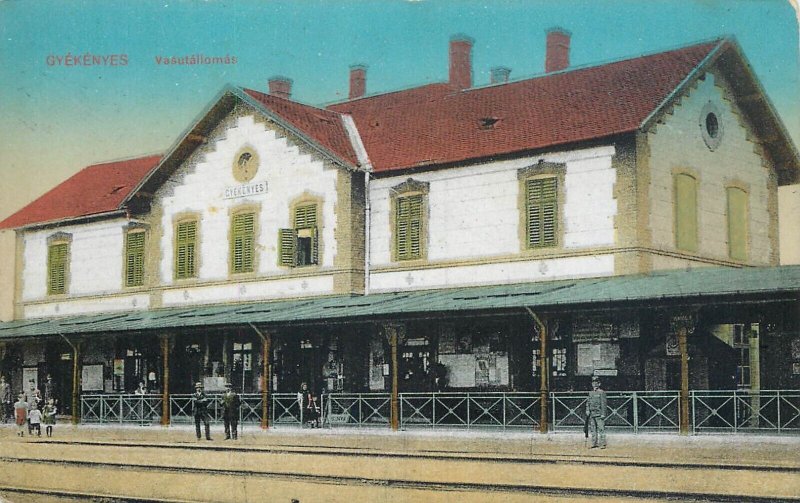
694 285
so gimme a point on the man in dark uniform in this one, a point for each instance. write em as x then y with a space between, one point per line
596 409
49 389
200 410
230 412
5 397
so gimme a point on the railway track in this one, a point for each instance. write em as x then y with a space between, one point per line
140 471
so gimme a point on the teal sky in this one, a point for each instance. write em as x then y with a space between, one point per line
55 119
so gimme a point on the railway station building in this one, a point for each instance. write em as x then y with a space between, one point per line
508 240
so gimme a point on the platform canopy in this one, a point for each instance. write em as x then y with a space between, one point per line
678 287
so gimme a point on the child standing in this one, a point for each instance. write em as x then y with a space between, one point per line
49 416
21 414
35 418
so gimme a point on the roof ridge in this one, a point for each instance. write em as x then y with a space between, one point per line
289 101
597 64
594 64
443 85
122 159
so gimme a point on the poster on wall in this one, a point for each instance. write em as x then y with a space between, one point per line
672 347
464 343
460 370
447 340
481 371
796 349
592 328
92 378
596 356
376 381
119 367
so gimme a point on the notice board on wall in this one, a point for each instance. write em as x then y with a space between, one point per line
469 370
602 355
92 378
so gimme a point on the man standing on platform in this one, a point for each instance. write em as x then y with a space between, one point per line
5 397
49 389
200 411
596 408
230 412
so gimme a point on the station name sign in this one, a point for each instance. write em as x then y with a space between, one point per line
252 189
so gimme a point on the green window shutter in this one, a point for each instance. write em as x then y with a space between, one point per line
57 268
541 215
408 227
185 244
315 246
685 212
242 242
305 216
134 259
737 223
287 241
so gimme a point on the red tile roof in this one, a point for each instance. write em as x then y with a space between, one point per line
436 125
430 125
96 189
322 126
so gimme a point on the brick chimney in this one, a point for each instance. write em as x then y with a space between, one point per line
461 61
280 86
358 81
499 74
557 56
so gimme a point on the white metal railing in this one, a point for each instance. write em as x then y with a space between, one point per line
285 410
121 408
249 410
357 409
742 410
630 411
469 410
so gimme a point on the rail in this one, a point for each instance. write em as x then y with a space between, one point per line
469 410
743 411
629 411
728 411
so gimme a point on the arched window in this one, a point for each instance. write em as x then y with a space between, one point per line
737 223
686 212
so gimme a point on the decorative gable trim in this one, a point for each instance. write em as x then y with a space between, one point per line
685 84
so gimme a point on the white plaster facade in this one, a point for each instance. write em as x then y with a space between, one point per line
95 254
94 272
677 144
474 215
199 187
474 222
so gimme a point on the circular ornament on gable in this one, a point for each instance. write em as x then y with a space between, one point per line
245 164
711 125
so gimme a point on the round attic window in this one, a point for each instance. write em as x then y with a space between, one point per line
711 126
245 164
